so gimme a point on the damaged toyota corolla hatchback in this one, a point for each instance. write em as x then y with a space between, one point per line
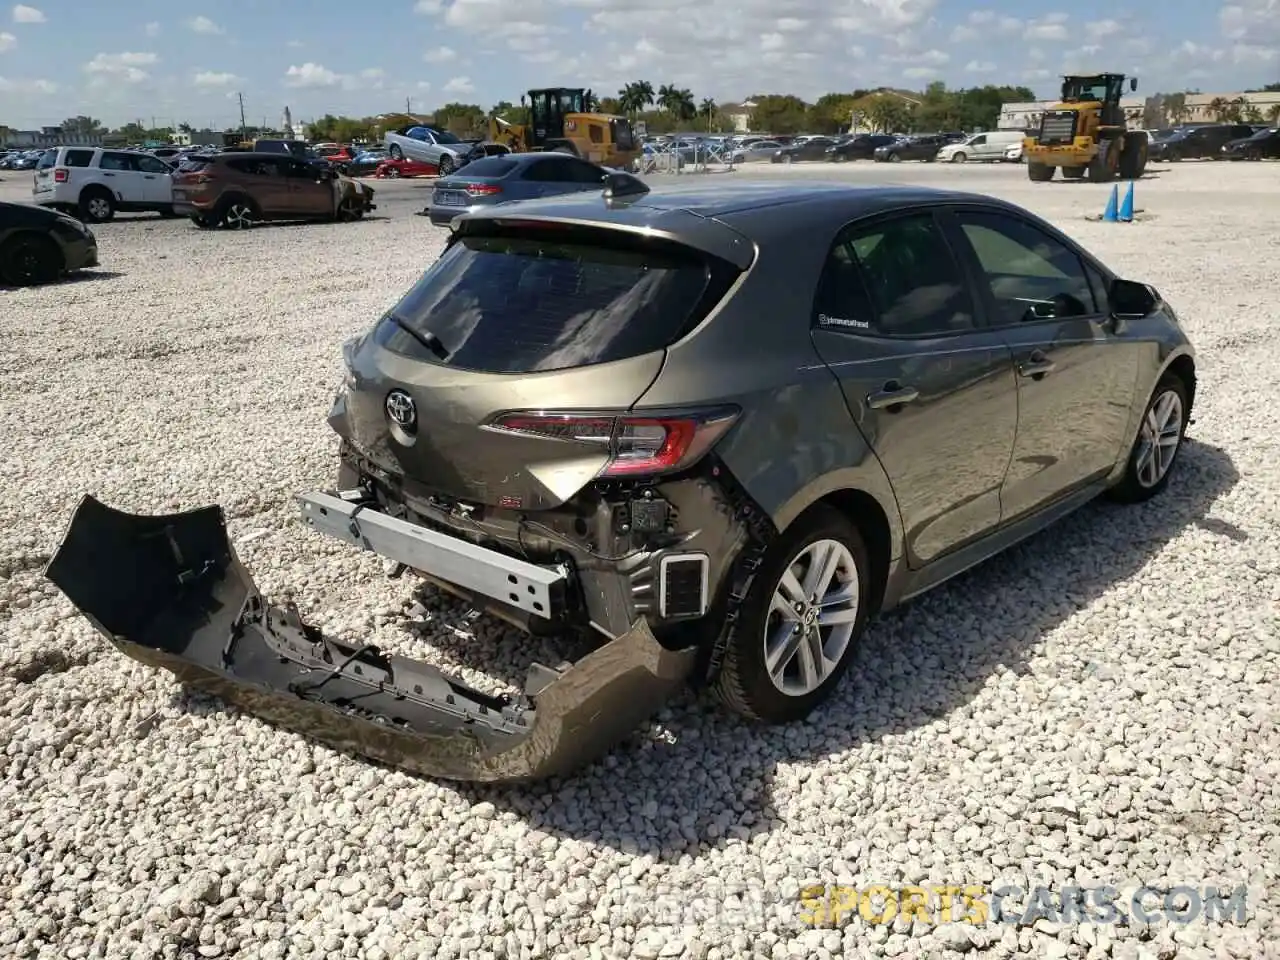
714 430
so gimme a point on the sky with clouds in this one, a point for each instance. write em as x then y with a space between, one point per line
187 61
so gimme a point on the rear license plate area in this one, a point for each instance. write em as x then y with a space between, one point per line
450 198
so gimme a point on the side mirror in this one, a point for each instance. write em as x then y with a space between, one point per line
1131 299
1133 83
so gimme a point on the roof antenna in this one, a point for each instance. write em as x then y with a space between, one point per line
618 185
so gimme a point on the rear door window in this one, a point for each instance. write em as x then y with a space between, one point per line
119 161
77 158
531 302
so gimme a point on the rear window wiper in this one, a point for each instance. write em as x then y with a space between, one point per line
428 340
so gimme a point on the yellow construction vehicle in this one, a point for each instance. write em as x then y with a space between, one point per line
559 121
1086 134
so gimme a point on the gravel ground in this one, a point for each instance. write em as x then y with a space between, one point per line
1096 707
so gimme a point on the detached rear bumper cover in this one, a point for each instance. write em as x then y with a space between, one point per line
169 591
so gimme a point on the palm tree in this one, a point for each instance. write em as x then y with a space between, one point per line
708 109
1273 113
1219 107
682 104
667 94
634 97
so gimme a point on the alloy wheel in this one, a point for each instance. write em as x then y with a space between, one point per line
812 615
239 216
99 208
1159 438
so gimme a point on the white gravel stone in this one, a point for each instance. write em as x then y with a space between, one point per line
1098 706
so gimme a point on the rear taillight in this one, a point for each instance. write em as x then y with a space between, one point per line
204 178
61 175
637 445
482 189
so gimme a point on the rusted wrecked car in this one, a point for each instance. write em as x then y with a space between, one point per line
715 430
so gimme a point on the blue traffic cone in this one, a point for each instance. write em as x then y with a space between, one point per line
1126 208
1109 215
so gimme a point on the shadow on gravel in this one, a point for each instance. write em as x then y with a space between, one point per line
80 276
909 672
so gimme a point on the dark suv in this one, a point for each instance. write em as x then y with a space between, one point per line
860 147
923 147
1198 143
1263 145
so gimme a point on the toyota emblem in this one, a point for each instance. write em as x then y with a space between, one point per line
401 410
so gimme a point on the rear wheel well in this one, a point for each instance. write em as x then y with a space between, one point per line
1184 368
869 517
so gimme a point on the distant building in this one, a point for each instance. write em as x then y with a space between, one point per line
48 137
197 138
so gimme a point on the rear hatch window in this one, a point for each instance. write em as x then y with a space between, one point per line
492 167
47 159
552 299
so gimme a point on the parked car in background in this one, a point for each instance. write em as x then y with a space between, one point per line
337 154
517 176
1199 142
754 152
96 183
429 145
240 190
920 147
392 168
807 148
40 245
861 146
366 162
989 146
1013 153
1263 145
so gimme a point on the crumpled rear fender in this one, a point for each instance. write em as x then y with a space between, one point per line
169 591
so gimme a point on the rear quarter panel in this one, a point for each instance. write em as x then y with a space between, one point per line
795 441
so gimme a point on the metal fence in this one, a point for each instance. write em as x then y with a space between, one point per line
697 157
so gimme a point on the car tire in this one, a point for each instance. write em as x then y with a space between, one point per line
446 165
1155 450
97 205
201 221
168 213
393 173
28 260
395 152
350 209
746 683
895 158
959 157
238 213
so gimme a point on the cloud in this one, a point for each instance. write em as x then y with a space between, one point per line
428 7
311 76
210 79
294 44
204 25
152 29
440 55
7 42
1049 27
28 87
1103 28
120 67
460 85
965 34
24 14
980 66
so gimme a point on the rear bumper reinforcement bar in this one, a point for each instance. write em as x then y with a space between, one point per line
170 592
534 589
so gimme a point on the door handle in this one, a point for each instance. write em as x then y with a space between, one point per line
108 174
148 176
893 395
1037 367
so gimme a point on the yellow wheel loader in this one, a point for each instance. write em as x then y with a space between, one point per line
560 121
1086 135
